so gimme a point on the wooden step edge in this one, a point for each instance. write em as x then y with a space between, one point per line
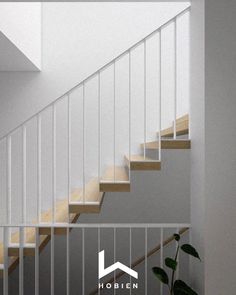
58 230
106 186
170 132
145 165
14 261
87 207
45 233
14 251
182 127
169 144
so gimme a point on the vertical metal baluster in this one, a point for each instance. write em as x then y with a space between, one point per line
189 75
36 284
175 75
21 262
145 99
114 111
161 257
99 126
52 260
114 250
5 259
54 166
9 184
67 261
130 257
69 153
39 167
160 95
83 263
129 114
24 177
99 248
83 143
146 282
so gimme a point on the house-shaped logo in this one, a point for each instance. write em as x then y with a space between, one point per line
102 271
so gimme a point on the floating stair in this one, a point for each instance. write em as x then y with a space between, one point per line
182 127
168 144
115 179
138 162
87 200
90 199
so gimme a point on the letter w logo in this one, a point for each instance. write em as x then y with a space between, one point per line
102 271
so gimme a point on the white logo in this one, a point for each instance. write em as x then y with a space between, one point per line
102 271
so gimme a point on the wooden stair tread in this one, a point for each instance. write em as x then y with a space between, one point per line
30 234
118 172
168 144
182 127
115 179
139 162
87 200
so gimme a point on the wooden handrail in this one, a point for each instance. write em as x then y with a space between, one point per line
142 258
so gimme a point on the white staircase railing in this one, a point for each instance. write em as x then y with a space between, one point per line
18 144
73 264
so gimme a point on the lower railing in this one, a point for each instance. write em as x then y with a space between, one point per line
87 259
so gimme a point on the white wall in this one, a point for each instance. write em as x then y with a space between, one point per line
21 24
220 241
77 40
213 140
197 127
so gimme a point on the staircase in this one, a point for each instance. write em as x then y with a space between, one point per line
112 177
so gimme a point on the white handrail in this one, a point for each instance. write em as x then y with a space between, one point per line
115 138
99 225
100 69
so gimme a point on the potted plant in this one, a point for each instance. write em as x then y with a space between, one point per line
176 287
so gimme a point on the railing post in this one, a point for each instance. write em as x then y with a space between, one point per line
83 263
24 177
130 255
114 111
36 281
114 256
146 270
175 76
67 261
54 164
160 94
52 260
21 262
129 113
84 192
5 259
145 97
69 153
39 167
9 180
99 126
99 248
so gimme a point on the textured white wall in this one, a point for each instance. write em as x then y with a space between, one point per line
197 111
21 23
220 122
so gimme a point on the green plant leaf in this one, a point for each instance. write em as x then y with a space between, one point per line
177 237
181 288
187 248
161 275
171 263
